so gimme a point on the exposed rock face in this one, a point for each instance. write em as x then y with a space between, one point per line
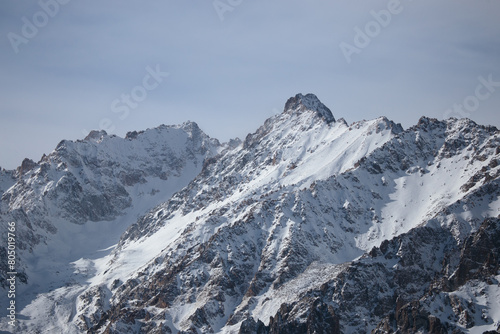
26 166
409 301
319 318
479 256
425 314
309 102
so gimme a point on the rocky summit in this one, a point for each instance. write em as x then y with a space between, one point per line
308 225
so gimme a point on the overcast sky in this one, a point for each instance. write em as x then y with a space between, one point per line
71 66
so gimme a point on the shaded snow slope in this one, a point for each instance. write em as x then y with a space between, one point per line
74 204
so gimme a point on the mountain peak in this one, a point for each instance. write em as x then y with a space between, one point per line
309 102
96 135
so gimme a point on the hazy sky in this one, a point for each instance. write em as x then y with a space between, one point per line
69 66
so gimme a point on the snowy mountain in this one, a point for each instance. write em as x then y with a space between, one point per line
77 200
308 225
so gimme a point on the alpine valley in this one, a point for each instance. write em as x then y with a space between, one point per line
308 225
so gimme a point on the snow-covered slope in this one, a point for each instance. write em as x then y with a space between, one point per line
309 225
77 201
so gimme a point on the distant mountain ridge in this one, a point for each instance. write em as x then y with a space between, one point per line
309 225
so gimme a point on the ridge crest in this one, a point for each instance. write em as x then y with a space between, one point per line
311 102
